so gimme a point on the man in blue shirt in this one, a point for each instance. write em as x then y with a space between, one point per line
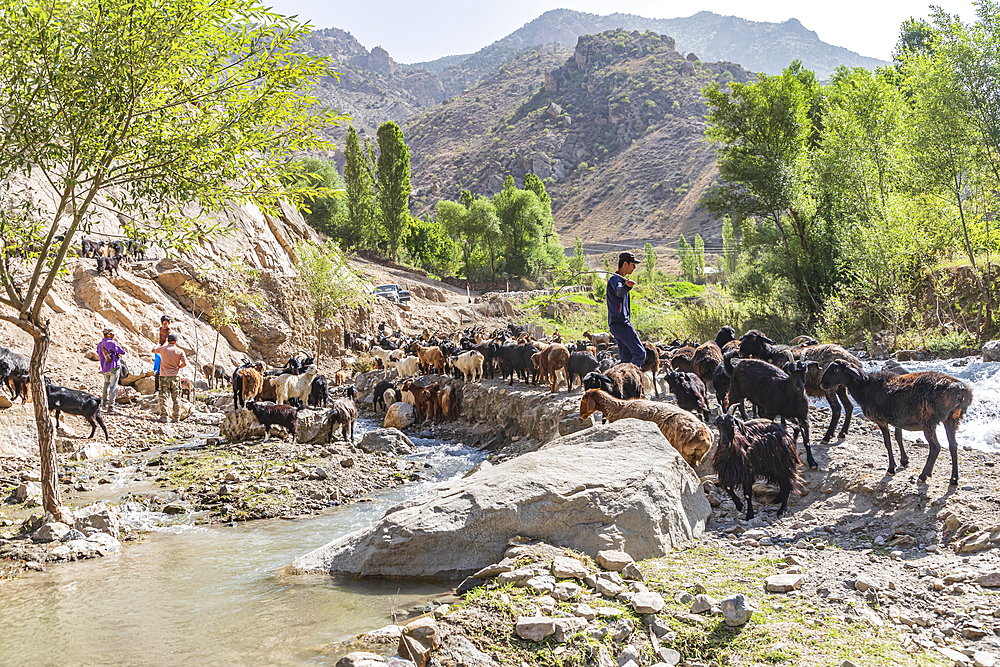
629 346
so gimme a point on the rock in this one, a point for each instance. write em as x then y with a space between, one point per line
564 567
983 659
535 628
542 584
573 424
94 449
413 652
399 416
953 655
97 518
989 580
621 485
566 590
668 656
783 583
620 630
975 543
50 532
490 571
384 635
703 603
632 572
174 508
584 611
616 561
735 610
608 589
241 425
347 462
865 583
991 350
361 659
313 427
104 542
73 534
28 491
5 402
224 403
567 627
424 630
389 440
126 395
627 655
647 603
973 632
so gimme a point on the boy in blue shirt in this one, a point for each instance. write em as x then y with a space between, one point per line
619 285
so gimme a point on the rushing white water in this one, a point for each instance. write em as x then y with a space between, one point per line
210 595
980 428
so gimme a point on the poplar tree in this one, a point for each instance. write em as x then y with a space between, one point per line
393 179
362 207
699 256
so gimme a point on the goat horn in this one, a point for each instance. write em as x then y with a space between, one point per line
796 340
732 410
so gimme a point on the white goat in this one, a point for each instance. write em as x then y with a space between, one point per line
469 363
295 386
408 367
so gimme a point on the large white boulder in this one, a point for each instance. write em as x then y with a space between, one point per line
621 486
399 416
991 351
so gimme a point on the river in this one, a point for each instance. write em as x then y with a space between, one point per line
210 595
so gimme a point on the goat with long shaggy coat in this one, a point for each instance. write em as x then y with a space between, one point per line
910 402
690 392
623 381
752 449
274 415
688 434
296 386
247 383
343 414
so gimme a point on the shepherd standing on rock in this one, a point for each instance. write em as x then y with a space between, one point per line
172 360
110 354
630 348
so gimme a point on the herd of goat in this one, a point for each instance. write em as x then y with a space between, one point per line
776 379
108 254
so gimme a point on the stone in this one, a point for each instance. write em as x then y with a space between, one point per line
566 590
632 572
490 571
865 583
983 659
388 440
564 567
608 589
567 627
174 508
585 612
535 628
126 395
312 427
974 543
668 656
703 603
621 486
384 635
347 462
361 659
424 630
28 492
989 580
73 534
573 424
736 611
991 350
104 542
628 654
94 449
5 402
620 630
784 583
50 532
542 584
647 603
399 416
953 655
973 632
241 425
616 561
97 518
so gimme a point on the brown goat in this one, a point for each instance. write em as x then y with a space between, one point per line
682 359
551 362
705 360
448 403
431 356
248 383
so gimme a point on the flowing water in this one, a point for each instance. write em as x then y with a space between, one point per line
210 595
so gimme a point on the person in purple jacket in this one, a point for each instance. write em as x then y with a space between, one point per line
110 354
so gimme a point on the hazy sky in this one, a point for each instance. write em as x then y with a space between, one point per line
424 30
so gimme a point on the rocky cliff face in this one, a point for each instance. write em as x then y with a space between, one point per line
615 128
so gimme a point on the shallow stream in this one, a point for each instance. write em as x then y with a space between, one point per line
210 595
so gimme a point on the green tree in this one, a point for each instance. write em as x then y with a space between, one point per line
689 264
649 262
393 183
331 283
728 246
362 205
427 242
699 257
150 106
474 227
576 262
326 213
524 221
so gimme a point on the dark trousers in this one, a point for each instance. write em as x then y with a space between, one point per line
630 348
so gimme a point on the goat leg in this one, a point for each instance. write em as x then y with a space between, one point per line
804 423
736 499
934 448
904 460
950 426
831 398
748 492
888 449
100 420
786 490
848 410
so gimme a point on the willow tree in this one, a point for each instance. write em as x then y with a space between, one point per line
145 108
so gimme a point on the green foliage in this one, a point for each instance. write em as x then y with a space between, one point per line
729 248
699 257
328 212
648 262
427 243
363 217
689 264
329 281
393 183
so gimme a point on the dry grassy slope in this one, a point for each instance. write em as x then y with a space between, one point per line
627 105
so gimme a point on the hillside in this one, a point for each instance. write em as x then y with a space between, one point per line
757 46
615 130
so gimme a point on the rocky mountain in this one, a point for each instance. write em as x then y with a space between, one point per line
757 46
614 128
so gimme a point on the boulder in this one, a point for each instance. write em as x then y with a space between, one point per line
125 395
241 425
389 440
785 583
5 402
535 628
312 427
30 492
991 351
399 416
613 560
736 611
93 449
51 532
97 518
647 603
620 487
361 659
564 567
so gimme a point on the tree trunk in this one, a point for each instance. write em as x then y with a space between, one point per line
215 350
51 501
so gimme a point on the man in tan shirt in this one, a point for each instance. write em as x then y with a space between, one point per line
172 360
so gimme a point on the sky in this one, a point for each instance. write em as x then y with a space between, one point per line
417 31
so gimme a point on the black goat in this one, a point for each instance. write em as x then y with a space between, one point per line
690 392
14 369
319 392
623 381
270 415
753 449
516 359
911 402
109 264
774 392
89 248
75 402
344 413
578 365
490 352
378 394
755 345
